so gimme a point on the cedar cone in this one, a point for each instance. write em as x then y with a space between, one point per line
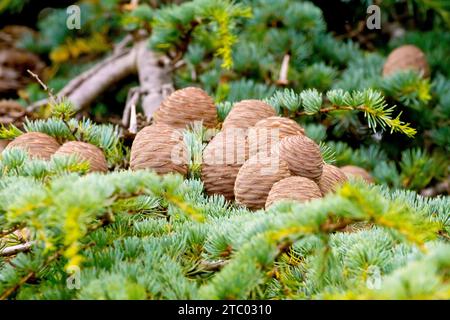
38 145
14 64
87 152
3 144
185 106
331 178
357 172
255 179
293 188
247 113
404 58
269 131
222 159
302 155
161 148
11 34
10 112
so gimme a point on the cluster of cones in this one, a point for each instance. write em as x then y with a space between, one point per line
42 146
257 159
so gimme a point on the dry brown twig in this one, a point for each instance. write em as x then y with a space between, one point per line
12 250
283 79
129 118
440 188
153 72
43 85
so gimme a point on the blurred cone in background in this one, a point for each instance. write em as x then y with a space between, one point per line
14 62
11 112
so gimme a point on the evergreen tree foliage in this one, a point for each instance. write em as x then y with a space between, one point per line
138 235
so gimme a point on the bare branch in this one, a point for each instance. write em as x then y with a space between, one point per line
212 266
97 78
12 250
43 85
129 114
283 79
440 188
154 78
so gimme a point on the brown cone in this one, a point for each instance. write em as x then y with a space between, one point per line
302 155
3 144
14 64
269 131
38 145
161 148
331 178
185 106
357 172
407 57
255 179
293 188
87 152
10 111
247 113
222 159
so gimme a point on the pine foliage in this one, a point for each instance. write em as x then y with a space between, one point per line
140 236
137 235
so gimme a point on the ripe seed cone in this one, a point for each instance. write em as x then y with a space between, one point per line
331 178
185 106
161 148
3 144
255 179
247 113
86 152
293 188
222 159
302 156
269 131
406 57
10 111
14 63
38 145
357 172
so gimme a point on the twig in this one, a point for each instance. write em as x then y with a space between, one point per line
444 234
43 85
440 188
132 99
12 250
353 32
331 109
21 282
178 65
34 75
27 277
119 59
72 132
212 266
133 118
154 78
207 266
283 79
50 259
122 44
332 226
